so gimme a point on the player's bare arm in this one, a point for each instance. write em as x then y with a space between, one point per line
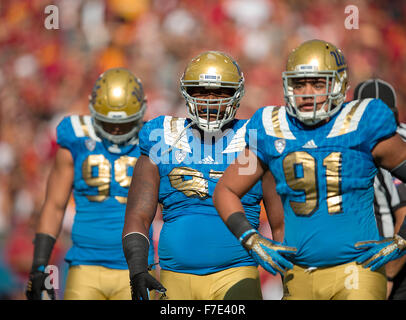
232 190
142 197
229 190
140 211
59 187
390 154
226 198
273 206
400 215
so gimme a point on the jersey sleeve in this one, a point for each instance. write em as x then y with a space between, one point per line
381 122
255 134
65 135
151 137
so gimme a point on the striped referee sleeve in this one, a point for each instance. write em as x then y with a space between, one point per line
386 202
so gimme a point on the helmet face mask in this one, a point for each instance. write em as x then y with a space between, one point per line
117 133
318 60
211 114
117 105
210 72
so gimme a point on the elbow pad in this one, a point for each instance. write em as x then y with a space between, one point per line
400 171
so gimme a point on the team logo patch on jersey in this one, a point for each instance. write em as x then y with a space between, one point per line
180 155
280 145
90 144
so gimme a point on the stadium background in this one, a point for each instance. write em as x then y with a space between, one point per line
46 74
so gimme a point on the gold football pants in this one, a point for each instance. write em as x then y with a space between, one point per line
343 282
241 283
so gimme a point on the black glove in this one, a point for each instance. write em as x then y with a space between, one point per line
36 284
43 245
142 283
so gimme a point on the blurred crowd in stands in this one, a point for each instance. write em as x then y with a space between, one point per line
46 74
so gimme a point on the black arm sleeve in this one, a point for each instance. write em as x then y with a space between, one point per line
135 247
238 224
400 171
43 245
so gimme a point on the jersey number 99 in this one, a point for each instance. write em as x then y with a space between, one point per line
102 180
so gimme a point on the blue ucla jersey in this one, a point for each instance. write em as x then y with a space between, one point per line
324 176
100 189
193 238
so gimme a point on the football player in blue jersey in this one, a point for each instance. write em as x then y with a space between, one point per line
181 161
323 155
96 157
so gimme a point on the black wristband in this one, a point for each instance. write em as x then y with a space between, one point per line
238 224
390 278
400 171
135 247
43 245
